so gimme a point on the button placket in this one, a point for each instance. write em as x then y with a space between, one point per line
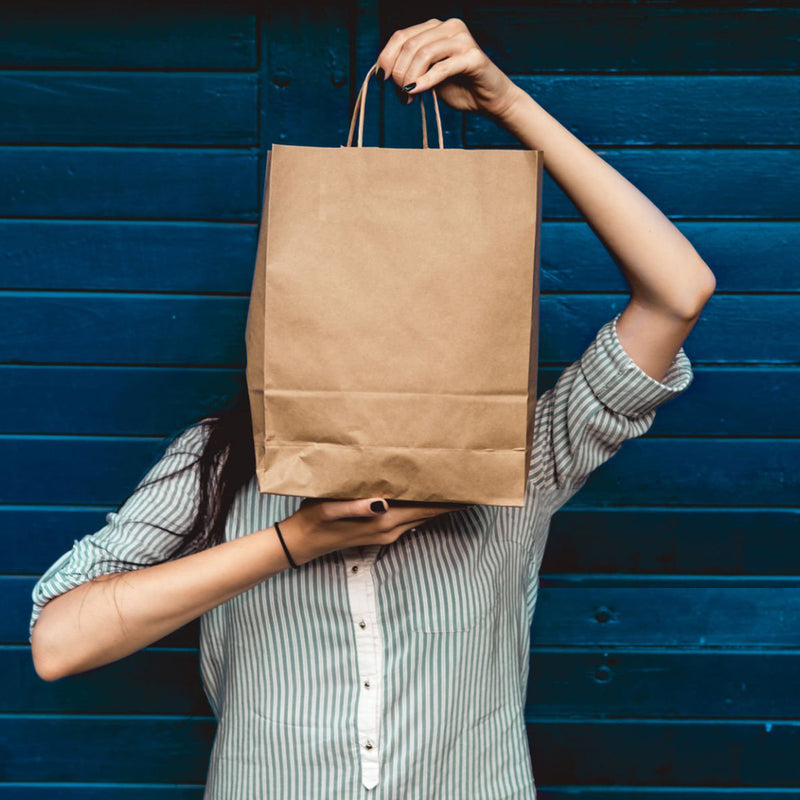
369 655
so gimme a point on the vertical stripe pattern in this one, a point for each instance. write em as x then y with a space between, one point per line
454 601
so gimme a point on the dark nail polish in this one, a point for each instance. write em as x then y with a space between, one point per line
409 86
380 74
378 507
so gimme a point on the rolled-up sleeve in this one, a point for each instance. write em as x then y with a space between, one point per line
144 530
597 403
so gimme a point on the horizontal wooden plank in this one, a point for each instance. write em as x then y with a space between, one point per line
143 401
659 792
130 256
671 36
209 331
152 401
129 182
34 536
118 466
145 329
100 791
681 472
123 108
690 615
572 257
199 257
99 748
654 616
17 605
700 183
657 541
694 541
722 401
645 472
623 683
588 683
133 183
85 34
156 681
671 752
670 581
666 753
732 328
684 110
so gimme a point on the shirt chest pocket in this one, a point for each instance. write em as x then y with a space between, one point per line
447 583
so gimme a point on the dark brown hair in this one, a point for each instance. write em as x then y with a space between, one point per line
224 466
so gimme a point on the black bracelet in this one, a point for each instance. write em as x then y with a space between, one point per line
285 548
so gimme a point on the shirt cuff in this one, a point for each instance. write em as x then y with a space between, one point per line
621 384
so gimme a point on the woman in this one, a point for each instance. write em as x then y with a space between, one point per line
359 649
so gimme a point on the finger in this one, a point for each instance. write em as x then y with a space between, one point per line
420 51
340 509
411 526
442 70
406 527
415 514
387 56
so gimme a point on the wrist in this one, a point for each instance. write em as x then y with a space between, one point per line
508 107
292 531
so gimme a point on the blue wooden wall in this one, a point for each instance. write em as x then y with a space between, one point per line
666 643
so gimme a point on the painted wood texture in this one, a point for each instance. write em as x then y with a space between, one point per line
650 471
565 682
665 637
748 256
199 184
725 400
655 541
120 108
209 330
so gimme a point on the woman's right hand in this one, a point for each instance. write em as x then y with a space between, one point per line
322 526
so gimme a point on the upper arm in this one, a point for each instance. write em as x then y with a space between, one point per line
598 402
652 337
145 529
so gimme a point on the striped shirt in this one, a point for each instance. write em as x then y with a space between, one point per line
385 672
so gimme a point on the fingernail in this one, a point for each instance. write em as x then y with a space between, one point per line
380 74
409 86
378 507
402 96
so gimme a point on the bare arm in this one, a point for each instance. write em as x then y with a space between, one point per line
669 281
115 615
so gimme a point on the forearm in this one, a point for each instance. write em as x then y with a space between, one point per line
661 266
115 615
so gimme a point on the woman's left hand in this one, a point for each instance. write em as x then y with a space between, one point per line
444 55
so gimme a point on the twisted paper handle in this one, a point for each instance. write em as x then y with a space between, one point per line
360 103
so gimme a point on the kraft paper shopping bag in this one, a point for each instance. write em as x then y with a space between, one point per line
392 335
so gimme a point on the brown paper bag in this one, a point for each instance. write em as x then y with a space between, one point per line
392 335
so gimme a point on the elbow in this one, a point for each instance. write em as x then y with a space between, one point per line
706 289
690 306
48 650
45 674
44 663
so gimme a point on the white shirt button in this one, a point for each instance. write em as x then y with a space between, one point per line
368 745
362 624
366 684
355 567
